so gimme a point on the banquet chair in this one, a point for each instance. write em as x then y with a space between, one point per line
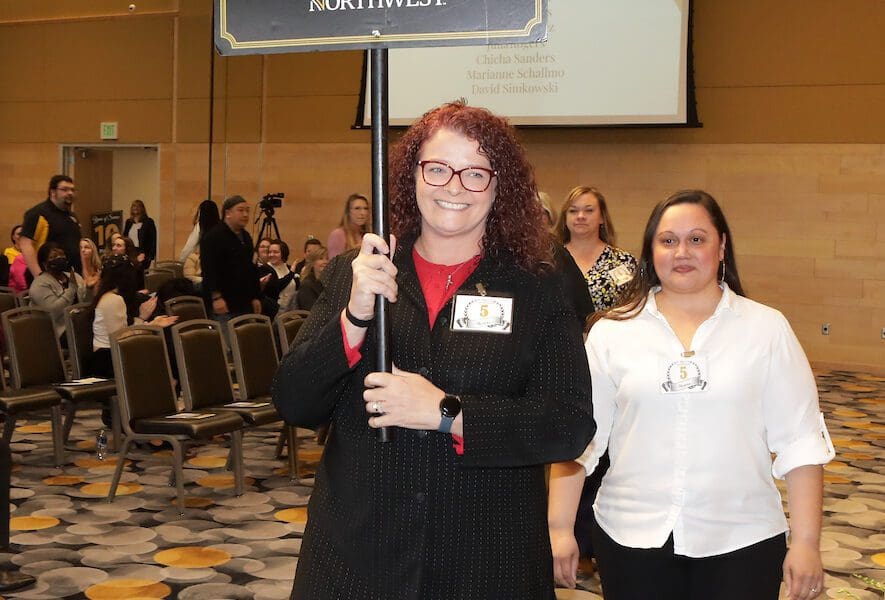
186 308
78 329
148 408
255 362
205 377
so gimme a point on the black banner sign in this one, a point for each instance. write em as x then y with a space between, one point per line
270 26
104 225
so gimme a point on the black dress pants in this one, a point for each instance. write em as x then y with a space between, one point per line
754 572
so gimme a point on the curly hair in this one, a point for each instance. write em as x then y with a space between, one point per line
515 224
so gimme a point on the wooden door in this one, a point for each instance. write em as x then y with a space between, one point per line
94 177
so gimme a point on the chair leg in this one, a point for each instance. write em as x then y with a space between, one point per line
281 442
178 469
9 428
57 436
68 410
236 449
118 471
116 428
292 435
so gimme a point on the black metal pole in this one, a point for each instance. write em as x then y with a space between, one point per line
211 94
380 212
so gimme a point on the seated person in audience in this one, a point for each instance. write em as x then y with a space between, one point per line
58 286
18 274
261 249
193 269
311 247
90 261
111 313
12 251
280 288
311 281
123 246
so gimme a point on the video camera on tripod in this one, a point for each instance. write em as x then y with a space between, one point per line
266 206
269 202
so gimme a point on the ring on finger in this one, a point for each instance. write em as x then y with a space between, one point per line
376 407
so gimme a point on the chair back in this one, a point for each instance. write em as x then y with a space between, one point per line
186 308
157 277
23 298
78 331
8 299
171 265
255 354
287 325
142 373
34 351
202 364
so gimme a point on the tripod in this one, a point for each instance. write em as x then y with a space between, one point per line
268 225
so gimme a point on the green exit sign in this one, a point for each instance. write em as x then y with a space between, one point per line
109 130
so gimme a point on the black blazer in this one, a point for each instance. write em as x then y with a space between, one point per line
228 268
411 519
147 238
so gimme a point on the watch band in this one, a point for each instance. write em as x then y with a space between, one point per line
355 321
449 409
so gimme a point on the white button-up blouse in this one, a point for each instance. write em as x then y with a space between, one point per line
691 437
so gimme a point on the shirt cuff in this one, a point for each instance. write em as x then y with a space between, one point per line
815 448
589 459
353 354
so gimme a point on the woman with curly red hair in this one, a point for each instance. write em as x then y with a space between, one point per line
489 383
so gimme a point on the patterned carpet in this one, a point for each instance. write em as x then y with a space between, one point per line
79 546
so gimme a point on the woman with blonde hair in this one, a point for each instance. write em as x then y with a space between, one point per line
353 226
90 261
586 230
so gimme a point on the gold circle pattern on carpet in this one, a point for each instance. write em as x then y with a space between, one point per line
292 515
32 523
192 557
102 488
130 589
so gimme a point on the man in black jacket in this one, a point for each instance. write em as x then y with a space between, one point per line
230 280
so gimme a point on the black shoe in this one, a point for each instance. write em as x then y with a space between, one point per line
14 580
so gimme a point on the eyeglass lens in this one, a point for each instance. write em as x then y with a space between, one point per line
473 179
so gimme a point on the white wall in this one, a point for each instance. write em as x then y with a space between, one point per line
137 176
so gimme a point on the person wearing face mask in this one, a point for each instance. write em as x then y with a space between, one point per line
52 221
58 286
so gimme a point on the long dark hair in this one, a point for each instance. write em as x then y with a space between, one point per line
207 216
515 222
116 273
645 278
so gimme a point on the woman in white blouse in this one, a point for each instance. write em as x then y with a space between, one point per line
694 387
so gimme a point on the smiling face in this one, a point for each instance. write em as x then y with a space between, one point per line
687 249
274 254
583 217
118 247
450 212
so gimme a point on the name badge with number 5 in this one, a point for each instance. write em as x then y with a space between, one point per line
490 314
